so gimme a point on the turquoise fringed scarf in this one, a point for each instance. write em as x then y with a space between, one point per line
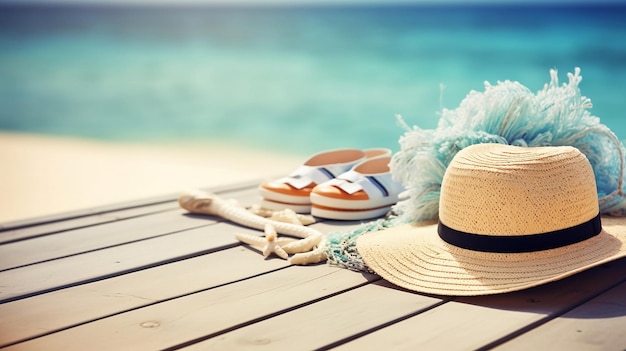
507 113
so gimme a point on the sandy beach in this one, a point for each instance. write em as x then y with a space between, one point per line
45 175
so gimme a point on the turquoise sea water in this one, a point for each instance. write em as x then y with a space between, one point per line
297 79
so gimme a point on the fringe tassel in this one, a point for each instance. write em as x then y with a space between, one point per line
341 247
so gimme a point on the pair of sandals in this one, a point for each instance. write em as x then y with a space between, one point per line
344 184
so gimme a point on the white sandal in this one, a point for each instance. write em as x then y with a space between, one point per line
366 191
294 191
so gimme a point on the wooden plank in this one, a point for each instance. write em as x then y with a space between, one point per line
76 269
61 225
166 198
75 242
95 211
449 327
599 324
40 315
29 232
245 197
211 312
79 269
476 322
149 222
319 324
246 193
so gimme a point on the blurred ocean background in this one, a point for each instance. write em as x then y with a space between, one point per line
295 79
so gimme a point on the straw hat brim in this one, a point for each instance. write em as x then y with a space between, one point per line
413 256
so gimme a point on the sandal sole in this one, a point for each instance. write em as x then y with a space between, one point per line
285 198
348 215
348 204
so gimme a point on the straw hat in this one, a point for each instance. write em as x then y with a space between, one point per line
510 218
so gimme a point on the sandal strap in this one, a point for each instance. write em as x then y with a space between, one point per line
306 175
381 185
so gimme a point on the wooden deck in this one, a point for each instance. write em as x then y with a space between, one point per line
149 276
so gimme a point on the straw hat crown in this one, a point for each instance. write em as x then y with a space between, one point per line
495 189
